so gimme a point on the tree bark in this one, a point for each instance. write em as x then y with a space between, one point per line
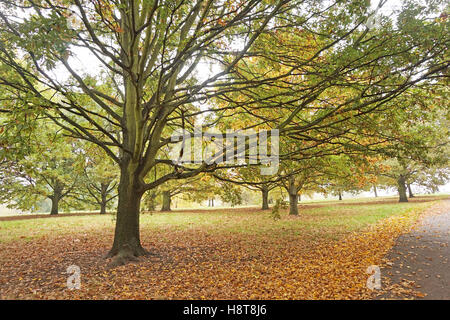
411 195
375 190
103 208
401 182
293 204
55 205
127 244
265 199
166 201
104 195
340 194
293 197
56 197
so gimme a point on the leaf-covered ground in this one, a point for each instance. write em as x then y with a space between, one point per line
417 267
222 254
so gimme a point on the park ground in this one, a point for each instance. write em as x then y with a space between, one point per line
240 253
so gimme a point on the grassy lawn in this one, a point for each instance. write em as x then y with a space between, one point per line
222 253
318 219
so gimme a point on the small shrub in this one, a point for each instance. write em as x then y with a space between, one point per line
279 204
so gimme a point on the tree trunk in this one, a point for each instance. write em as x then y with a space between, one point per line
127 244
55 205
265 199
56 197
104 195
402 189
293 196
340 194
299 197
293 204
166 201
411 195
375 190
103 208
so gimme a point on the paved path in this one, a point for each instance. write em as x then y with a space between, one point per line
420 259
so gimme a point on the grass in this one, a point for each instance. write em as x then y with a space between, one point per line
326 219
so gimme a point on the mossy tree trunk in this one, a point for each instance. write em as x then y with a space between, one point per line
127 244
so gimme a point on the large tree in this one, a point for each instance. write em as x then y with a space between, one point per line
417 150
150 53
99 180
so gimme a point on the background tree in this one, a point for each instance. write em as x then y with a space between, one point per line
430 178
52 168
100 179
419 138
250 177
206 187
298 176
350 173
